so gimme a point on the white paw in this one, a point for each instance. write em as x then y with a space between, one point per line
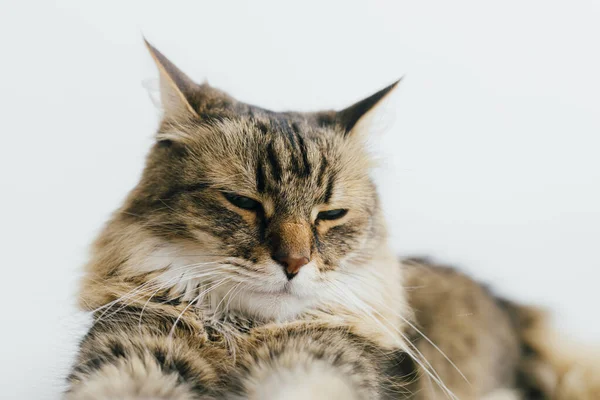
318 381
503 394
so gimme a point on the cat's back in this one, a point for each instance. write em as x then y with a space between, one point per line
477 346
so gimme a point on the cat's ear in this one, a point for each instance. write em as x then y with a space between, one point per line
348 118
177 90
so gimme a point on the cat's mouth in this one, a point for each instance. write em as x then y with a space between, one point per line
270 303
286 289
270 298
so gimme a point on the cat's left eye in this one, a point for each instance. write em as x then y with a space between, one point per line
332 214
242 201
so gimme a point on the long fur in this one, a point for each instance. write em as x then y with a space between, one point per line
194 296
553 365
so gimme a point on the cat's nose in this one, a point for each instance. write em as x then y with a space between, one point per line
291 264
290 243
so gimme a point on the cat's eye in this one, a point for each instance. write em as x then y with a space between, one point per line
242 201
332 214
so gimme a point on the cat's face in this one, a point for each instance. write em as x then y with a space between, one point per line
268 206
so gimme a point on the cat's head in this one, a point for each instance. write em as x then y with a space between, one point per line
265 208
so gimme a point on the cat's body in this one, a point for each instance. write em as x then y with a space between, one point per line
231 356
251 261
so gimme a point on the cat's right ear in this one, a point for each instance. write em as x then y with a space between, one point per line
177 90
348 118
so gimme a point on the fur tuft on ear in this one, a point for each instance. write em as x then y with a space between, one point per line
181 97
348 118
176 89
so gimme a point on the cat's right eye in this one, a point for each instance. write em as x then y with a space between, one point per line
243 202
332 214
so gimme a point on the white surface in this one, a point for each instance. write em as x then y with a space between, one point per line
492 151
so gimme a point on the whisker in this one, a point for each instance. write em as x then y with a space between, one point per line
150 285
364 308
193 301
405 320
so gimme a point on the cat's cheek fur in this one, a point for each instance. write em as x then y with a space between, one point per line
374 304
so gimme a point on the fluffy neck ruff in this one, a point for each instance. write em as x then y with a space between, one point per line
131 266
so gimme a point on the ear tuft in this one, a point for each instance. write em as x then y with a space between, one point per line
349 117
176 88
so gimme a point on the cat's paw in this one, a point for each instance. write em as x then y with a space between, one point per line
503 394
317 381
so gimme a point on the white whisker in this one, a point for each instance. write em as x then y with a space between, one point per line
367 310
427 339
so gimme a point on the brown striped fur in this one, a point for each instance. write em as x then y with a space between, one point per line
194 296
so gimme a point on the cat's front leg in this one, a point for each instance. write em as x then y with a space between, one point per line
306 361
127 357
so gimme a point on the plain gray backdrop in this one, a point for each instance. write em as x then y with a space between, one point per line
489 148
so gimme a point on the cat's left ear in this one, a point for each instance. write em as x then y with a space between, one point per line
348 118
176 88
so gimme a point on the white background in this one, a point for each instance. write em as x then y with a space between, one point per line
491 144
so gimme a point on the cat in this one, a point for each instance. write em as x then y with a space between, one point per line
251 262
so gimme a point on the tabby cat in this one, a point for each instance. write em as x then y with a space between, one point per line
251 262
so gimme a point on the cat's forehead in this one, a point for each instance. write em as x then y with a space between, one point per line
293 155
292 136
273 154
285 147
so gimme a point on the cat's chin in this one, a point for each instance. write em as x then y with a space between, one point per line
278 305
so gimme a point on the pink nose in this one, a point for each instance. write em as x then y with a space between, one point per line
291 264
